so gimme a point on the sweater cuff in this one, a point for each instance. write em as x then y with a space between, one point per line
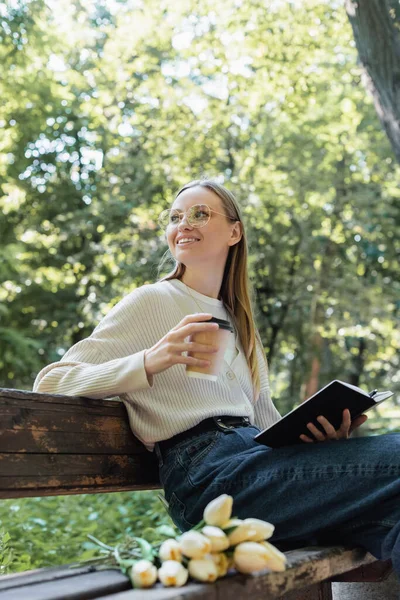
132 375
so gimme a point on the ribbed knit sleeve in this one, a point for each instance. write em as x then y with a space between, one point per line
104 380
108 363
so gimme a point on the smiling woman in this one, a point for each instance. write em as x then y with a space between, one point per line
202 430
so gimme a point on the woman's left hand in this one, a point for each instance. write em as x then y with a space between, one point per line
331 433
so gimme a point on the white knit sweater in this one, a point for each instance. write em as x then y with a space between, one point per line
110 363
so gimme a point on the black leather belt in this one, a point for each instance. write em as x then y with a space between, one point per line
211 424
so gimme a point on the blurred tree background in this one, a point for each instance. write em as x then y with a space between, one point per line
107 108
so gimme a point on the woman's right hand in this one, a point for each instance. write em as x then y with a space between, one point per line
168 351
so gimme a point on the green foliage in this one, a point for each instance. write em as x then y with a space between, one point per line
107 108
42 532
113 107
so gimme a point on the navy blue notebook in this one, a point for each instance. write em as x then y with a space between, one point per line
329 402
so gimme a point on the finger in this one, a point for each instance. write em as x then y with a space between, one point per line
197 348
329 428
193 328
316 432
344 429
192 319
306 439
357 422
190 360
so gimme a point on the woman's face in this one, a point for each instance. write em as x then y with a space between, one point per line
210 243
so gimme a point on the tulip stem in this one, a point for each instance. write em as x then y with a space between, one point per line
99 543
199 525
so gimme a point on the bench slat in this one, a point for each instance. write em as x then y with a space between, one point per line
307 567
41 418
53 445
44 475
59 442
54 399
71 586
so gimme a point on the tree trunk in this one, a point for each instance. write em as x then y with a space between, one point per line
376 28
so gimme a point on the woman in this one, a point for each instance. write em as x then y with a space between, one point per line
340 491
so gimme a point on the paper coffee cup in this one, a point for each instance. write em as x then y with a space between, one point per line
219 338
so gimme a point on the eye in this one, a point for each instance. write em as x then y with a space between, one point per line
200 213
173 218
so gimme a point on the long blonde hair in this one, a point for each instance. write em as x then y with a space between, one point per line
236 291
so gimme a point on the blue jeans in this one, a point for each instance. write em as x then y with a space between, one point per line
338 492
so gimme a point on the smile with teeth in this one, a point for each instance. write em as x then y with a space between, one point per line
187 241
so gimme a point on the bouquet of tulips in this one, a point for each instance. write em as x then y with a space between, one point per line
205 553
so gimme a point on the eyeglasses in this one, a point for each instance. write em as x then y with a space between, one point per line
197 216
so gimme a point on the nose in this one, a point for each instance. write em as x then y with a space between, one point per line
184 223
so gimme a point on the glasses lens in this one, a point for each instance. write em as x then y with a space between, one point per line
168 217
198 215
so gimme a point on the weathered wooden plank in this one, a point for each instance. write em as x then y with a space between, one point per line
68 442
96 407
56 474
15 580
18 418
63 465
71 587
51 445
55 398
306 568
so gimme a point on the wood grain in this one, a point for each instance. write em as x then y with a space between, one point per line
54 444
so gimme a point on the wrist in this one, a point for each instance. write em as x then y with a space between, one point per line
147 369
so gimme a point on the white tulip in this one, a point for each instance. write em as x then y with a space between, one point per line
219 540
222 563
253 556
143 574
170 550
262 529
219 510
172 573
203 569
277 560
194 544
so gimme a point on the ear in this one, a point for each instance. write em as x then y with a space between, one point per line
236 234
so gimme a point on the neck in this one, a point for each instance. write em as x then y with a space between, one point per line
208 284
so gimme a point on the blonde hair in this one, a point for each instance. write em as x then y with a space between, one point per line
236 291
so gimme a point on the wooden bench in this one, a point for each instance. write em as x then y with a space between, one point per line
41 433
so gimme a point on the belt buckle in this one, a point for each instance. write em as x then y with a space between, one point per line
219 423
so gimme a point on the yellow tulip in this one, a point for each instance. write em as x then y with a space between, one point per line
170 550
143 574
262 529
254 556
219 540
172 574
244 532
277 560
222 563
194 544
203 569
218 511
